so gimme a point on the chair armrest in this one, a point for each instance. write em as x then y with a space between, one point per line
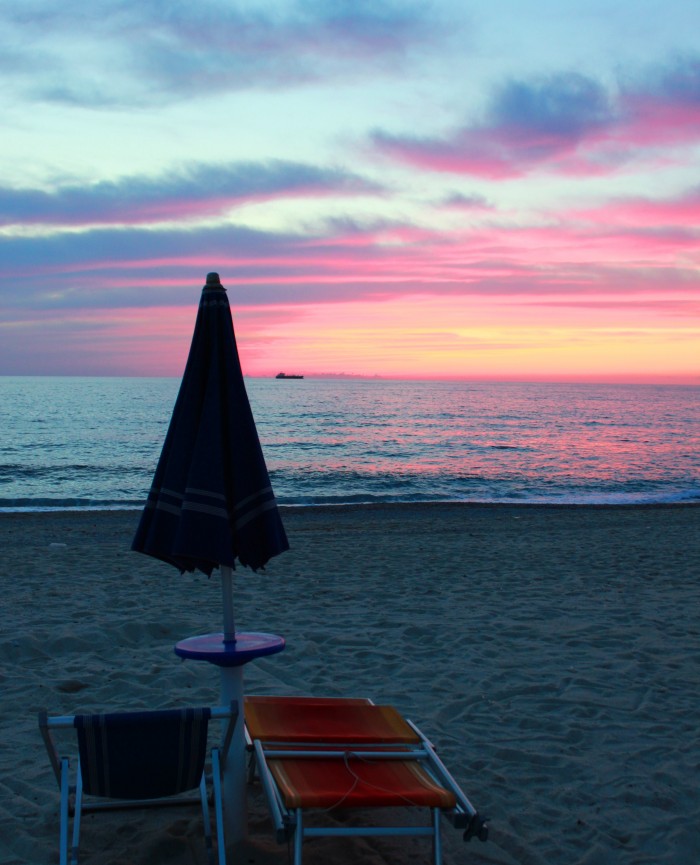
50 745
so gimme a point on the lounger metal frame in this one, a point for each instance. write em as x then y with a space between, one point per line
72 797
290 822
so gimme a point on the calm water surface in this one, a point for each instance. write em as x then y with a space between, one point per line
95 442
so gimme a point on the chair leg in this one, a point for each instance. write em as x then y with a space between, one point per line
76 816
218 805
251 767
206 818
437 842
63 814
298 837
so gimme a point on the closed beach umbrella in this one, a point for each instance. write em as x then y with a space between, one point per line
211 504
211 501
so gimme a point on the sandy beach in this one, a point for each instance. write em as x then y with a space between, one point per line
551 653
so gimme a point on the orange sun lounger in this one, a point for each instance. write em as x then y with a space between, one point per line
326 753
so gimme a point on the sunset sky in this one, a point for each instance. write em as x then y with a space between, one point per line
448 189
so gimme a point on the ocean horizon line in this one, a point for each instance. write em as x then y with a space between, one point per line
354 377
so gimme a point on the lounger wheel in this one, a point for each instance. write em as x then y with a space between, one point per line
478 828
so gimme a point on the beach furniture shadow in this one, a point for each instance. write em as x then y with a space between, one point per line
325 754
139 759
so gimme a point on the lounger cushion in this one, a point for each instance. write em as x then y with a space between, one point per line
310 722
353 782
260 699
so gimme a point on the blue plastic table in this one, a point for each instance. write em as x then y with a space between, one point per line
248 646
231 656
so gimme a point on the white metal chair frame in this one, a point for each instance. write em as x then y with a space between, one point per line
72 799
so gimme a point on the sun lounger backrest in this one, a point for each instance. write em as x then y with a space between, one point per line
142 755
327 723
255 699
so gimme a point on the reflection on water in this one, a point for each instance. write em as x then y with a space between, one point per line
95 441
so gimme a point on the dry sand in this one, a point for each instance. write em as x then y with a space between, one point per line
551 653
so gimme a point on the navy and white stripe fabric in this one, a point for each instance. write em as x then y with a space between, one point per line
142 755
211 502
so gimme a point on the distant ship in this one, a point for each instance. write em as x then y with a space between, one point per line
284 375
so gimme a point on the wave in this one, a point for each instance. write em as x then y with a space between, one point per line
352 443
562 497
24 505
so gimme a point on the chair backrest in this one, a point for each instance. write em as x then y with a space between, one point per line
142 755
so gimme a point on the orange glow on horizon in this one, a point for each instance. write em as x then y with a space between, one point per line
632 338
477 338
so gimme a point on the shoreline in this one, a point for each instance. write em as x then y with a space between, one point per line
379 506
551 652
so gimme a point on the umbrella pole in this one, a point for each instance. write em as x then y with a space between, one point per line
227 593
235 792
234 786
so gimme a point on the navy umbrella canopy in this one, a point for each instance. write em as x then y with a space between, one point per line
211 502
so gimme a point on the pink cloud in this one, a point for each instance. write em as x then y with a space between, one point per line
664 109
682 212
567 124
381 263
446 300
489 153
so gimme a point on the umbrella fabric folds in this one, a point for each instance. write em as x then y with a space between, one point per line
211 502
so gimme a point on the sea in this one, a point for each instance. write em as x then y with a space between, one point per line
93 443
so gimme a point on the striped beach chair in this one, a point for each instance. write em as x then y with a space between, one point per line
138 759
